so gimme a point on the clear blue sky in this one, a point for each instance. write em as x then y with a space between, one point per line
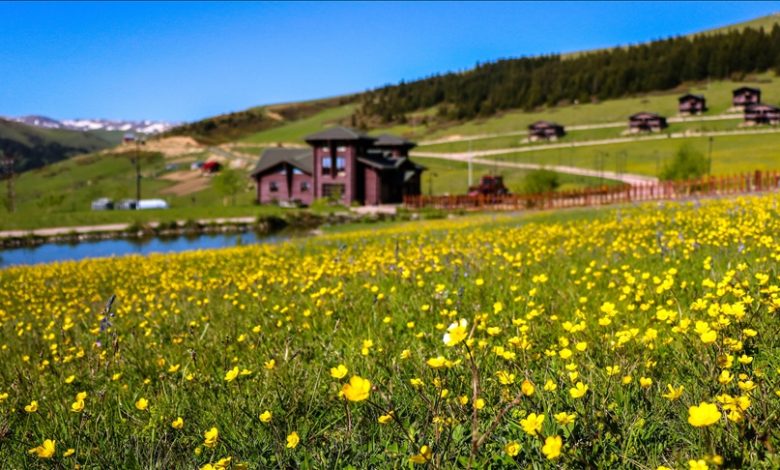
183 61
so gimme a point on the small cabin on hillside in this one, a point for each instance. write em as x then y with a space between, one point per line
690 104
545 130
646 122
745 96
762 114
343 165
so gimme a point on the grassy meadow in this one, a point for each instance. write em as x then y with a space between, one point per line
638 337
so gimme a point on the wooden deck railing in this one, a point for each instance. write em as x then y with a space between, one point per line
744 183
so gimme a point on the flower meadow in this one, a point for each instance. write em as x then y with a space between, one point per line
638 337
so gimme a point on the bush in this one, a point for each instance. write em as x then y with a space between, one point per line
540 181
688 163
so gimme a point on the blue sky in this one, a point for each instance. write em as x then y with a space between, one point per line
183 61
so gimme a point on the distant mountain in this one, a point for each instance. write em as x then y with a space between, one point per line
35 146
142 127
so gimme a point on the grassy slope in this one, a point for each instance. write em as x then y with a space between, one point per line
295 131
35 146
60 194
450 177
730 154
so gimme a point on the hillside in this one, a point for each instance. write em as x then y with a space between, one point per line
34 147
512 85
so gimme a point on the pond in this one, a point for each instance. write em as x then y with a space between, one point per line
50 252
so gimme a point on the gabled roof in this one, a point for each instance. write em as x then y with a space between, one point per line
338 133
646 114
691 95
389 140
381 161
761 107
543 124
745 88
299 158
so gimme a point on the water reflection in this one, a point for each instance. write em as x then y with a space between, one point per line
50 252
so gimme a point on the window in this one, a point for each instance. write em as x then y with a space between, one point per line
325 149
297 171
341 149
304 186
273 186
341 165
327 162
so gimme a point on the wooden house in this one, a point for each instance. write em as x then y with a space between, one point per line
745 96
757 114
646 122
692 104
342 164
284 175
545 130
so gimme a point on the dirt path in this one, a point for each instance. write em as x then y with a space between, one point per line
581 127
627 178
464 156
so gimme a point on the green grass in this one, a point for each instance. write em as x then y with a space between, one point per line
730 154
295 131
621 304
451 177
718 95
60 194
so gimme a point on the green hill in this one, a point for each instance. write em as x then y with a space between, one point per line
34 147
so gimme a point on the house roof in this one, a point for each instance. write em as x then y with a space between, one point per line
691 95
645 115
338 133
745 88
297 157
543 124
381 161
761 107
389 140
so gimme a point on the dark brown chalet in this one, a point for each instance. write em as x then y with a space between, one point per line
745 96
342 164
692 104
646 122
762 114
545 130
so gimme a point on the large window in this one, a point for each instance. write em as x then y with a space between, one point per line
341 165
327 162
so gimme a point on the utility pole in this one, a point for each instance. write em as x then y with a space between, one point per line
7 172
138 143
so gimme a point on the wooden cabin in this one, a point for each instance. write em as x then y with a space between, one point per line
758 114
690 104
745 96
284 175
343 165
545 130
646 122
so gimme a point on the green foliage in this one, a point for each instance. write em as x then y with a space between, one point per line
688 163
34 147
531 82
229 183
540 181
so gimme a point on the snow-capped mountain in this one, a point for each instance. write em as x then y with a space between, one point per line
141 127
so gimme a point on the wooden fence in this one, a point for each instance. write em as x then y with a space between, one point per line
757 181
